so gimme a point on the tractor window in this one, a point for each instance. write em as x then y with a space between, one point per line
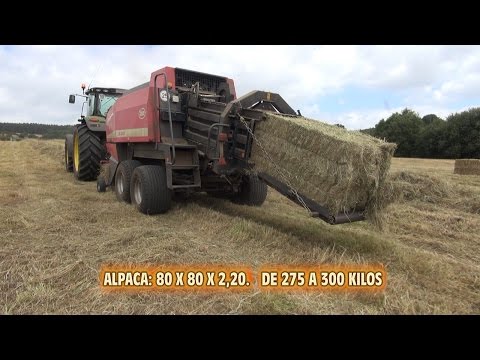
91 103
106 102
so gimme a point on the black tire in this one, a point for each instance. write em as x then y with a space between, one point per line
123 178
150 194
253 192
90 151
69 152
101 184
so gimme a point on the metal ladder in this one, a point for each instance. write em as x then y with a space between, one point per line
194 169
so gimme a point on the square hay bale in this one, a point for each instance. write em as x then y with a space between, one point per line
467 167
340 169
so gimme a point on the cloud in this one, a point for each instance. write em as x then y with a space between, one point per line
36 80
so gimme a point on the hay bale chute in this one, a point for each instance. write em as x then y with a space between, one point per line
340 169
467 167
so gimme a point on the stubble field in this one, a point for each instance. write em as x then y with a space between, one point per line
55 234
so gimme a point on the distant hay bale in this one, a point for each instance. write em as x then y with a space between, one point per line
467 167
339 169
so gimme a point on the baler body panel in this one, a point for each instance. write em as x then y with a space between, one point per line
112 151
133 118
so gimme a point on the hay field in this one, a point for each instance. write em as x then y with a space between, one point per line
55 233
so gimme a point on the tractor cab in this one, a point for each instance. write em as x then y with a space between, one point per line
99 100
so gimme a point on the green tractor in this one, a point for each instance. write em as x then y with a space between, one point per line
85 148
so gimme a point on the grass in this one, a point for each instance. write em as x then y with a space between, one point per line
55 233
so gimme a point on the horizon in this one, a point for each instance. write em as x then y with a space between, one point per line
386 118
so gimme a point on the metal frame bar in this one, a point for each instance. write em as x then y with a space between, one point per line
216 142
157 106
316 209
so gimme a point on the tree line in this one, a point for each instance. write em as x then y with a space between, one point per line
24 130
456 137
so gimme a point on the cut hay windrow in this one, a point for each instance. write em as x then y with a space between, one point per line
467 167
340 169
105 172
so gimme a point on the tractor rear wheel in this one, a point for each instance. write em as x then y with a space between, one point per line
69 152
123 178
149 190
253 191
87 153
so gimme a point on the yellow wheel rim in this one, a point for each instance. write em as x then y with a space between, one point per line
76 152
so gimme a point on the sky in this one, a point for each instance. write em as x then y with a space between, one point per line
355 86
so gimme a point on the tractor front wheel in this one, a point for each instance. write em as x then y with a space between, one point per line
69 152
